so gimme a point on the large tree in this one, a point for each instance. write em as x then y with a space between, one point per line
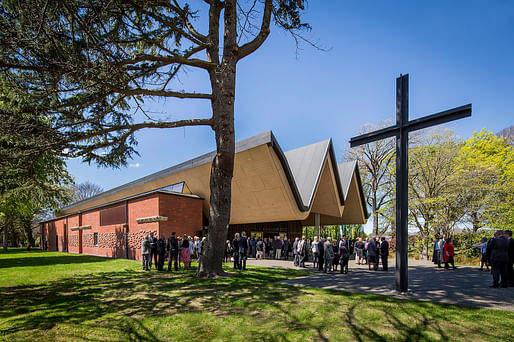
33 176
485 167
376 162
433 193
89 63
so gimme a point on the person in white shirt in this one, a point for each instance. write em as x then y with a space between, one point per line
315 251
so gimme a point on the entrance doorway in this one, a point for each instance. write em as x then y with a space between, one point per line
258 235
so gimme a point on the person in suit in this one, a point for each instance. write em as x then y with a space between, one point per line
328 255
235 250
321 254
343 258
145 252
499 256
161 252
285 248
243 251
295 252
172 248
153 250
384 252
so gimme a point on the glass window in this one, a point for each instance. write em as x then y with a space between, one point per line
178 187
95 239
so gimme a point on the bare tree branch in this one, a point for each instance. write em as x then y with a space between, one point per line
253 45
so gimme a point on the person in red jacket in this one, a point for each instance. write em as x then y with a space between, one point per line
448 253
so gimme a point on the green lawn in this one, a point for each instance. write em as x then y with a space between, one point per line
51 296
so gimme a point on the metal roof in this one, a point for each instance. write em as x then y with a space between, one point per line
306 164
302 166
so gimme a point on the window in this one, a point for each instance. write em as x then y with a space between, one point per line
178 187
95 239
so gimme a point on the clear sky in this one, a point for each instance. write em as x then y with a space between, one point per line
455 52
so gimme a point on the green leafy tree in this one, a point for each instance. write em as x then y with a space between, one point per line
432 201
486 168
90 64
33 175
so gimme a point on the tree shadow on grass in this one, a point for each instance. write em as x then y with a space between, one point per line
107 296
121 301
50 260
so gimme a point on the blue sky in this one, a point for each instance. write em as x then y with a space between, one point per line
455 52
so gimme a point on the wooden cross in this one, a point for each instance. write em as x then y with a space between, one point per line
401 132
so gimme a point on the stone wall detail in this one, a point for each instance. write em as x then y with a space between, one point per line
73 241
135 238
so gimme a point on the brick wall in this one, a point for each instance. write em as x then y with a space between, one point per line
184 215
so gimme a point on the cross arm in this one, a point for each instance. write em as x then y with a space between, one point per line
374 136
439 118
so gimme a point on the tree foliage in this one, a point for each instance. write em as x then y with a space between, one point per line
486 169
89 65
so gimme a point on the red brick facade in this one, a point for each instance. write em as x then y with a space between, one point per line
82 232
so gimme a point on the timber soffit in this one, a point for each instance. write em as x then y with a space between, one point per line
257 140
347 170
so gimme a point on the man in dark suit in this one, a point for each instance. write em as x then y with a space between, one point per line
321 251
153 250
384 252
161 252
499 252
172 248
243 250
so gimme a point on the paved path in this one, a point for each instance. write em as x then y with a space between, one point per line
466 286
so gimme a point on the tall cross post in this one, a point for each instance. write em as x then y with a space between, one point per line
401 132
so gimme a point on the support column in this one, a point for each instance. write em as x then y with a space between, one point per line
317 223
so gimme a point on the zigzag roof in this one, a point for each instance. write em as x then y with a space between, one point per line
265 178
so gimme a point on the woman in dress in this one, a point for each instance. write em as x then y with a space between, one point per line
359 251
185 254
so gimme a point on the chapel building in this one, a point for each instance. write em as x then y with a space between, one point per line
273 193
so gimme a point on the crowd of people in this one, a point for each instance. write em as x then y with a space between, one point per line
497 252
179 250
326 254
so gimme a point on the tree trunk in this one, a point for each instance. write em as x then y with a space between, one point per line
4 235
27 227
220 184
375 215
475 221
223 84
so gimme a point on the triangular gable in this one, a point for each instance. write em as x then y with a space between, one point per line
306 164
349 171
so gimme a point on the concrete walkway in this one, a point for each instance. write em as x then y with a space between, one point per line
466 286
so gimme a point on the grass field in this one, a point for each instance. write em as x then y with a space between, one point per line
51 296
